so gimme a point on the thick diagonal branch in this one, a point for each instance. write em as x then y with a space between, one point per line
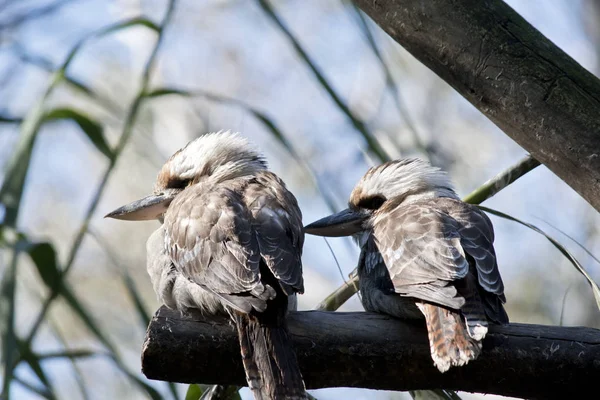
532 90
372 351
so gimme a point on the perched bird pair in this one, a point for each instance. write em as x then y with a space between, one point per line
231 243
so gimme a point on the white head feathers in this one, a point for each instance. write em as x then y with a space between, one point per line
409 178
219 155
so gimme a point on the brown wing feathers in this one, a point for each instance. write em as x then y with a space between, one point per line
241 243
440 252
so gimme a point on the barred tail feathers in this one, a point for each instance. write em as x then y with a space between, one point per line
449 339
272 371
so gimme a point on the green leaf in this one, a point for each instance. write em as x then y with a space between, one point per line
91 128
131 288
220 392
7 323
80 86
18 165
212 392
72 354
43 256
581 246
194 392
103 101
128 128
561 248
34 363
128 24
14 348
12 190
10 120
167 92
105 31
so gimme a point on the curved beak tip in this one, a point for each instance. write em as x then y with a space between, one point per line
113 214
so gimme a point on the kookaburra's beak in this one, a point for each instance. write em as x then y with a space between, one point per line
344 223
148 208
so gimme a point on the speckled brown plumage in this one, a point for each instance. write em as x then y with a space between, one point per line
241 240
230 243
425 254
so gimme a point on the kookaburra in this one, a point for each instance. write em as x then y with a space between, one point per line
230 243
424 254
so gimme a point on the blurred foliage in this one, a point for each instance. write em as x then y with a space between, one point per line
19 348
43 255
560 247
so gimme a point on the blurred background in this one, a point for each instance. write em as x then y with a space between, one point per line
315 84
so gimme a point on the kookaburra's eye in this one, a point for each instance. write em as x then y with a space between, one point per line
176 183
371 202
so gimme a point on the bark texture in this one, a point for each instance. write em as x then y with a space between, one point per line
538 95
368 350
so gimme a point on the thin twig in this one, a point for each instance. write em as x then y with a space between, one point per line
502 180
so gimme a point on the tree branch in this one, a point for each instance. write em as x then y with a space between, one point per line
373 351
527 86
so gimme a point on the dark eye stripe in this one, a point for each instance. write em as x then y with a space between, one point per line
176 183
371 202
